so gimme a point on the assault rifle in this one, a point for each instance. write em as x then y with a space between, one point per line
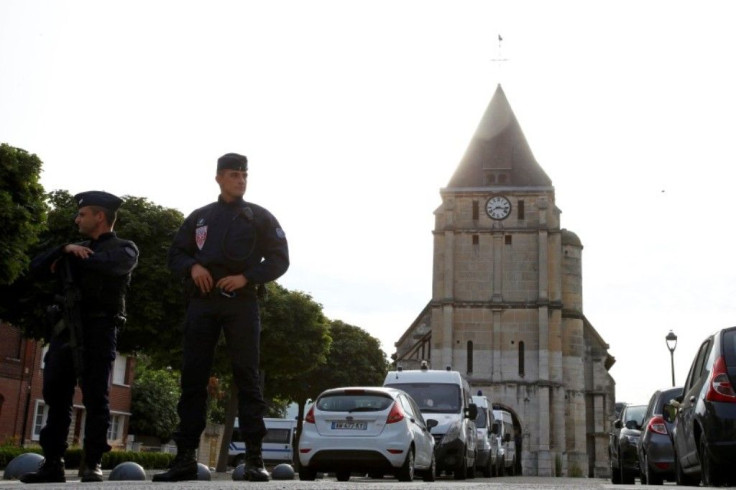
71 317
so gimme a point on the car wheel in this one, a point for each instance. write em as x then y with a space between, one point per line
342 475
512 472
471 468
648 477
306 473
461 470
615 473
642 466
709 471
429 473
488 468
406 472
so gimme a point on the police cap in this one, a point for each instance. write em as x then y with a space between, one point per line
98 198
232 161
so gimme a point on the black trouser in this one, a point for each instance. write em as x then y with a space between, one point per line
59 380
240 320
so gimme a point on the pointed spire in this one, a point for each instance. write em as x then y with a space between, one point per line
498 153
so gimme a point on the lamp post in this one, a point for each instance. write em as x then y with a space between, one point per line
671 340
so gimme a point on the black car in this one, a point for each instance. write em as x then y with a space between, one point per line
622 443
656 457
705 415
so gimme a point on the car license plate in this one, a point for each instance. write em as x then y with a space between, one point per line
345 425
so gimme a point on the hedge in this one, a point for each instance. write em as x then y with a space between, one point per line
73 456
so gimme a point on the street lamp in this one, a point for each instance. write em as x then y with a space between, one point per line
671 340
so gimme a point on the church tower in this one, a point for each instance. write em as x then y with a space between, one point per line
507 307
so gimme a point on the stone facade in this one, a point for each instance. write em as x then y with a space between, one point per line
507 306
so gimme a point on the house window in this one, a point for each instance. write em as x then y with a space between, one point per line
507 239
521 359
520 209
39 420
475 210
470 356
115 432
118 373
475 239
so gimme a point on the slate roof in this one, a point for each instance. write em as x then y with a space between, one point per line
499 145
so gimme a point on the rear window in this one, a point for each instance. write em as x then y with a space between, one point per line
278 436
365 402
729 346
635 413
433 397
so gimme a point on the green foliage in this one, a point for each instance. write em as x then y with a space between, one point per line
22 209
355 359
155 393
294 341
73 457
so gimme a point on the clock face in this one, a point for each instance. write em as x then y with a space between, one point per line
498 207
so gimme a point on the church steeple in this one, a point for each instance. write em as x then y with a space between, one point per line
498 154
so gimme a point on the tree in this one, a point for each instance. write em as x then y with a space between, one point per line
155 393
355 359
22 209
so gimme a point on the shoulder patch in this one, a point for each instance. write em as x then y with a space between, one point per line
280 233
131 251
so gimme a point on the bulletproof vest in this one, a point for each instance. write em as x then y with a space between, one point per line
103 293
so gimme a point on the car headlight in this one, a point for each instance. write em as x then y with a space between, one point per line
453 432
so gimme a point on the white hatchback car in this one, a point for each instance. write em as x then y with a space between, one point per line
370 430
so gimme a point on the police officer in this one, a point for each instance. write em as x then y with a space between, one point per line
98 272
224 252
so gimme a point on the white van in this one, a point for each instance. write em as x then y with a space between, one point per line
489 460
505 432
277 443
443 396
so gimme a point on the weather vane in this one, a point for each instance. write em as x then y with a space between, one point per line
500 59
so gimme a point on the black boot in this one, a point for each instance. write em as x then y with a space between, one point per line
254 468
51 471
92 469
183 467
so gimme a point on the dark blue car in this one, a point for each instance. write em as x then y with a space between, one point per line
656 457
705 415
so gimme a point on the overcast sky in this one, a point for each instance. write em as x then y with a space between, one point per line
354 114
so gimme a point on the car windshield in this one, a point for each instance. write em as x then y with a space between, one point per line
433 397
635 413
481 420
358 402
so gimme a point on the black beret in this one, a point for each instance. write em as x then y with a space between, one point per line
98 198
232 161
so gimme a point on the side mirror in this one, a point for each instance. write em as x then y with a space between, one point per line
669 411
472 411
617 424
432 423
494 429
632 424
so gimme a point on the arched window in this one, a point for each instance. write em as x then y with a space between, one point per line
521 359
470 356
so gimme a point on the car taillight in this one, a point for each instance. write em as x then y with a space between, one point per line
310 415
396 414
719 387
656 424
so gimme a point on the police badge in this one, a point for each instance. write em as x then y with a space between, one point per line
200 235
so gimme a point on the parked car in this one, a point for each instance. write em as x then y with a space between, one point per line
444 395
505 432
276 446
705 416
488 459
656 457
622 443
372 430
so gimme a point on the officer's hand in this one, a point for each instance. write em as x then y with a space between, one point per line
78 250
231 283
202 278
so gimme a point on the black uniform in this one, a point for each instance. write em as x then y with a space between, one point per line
227 239
102 280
